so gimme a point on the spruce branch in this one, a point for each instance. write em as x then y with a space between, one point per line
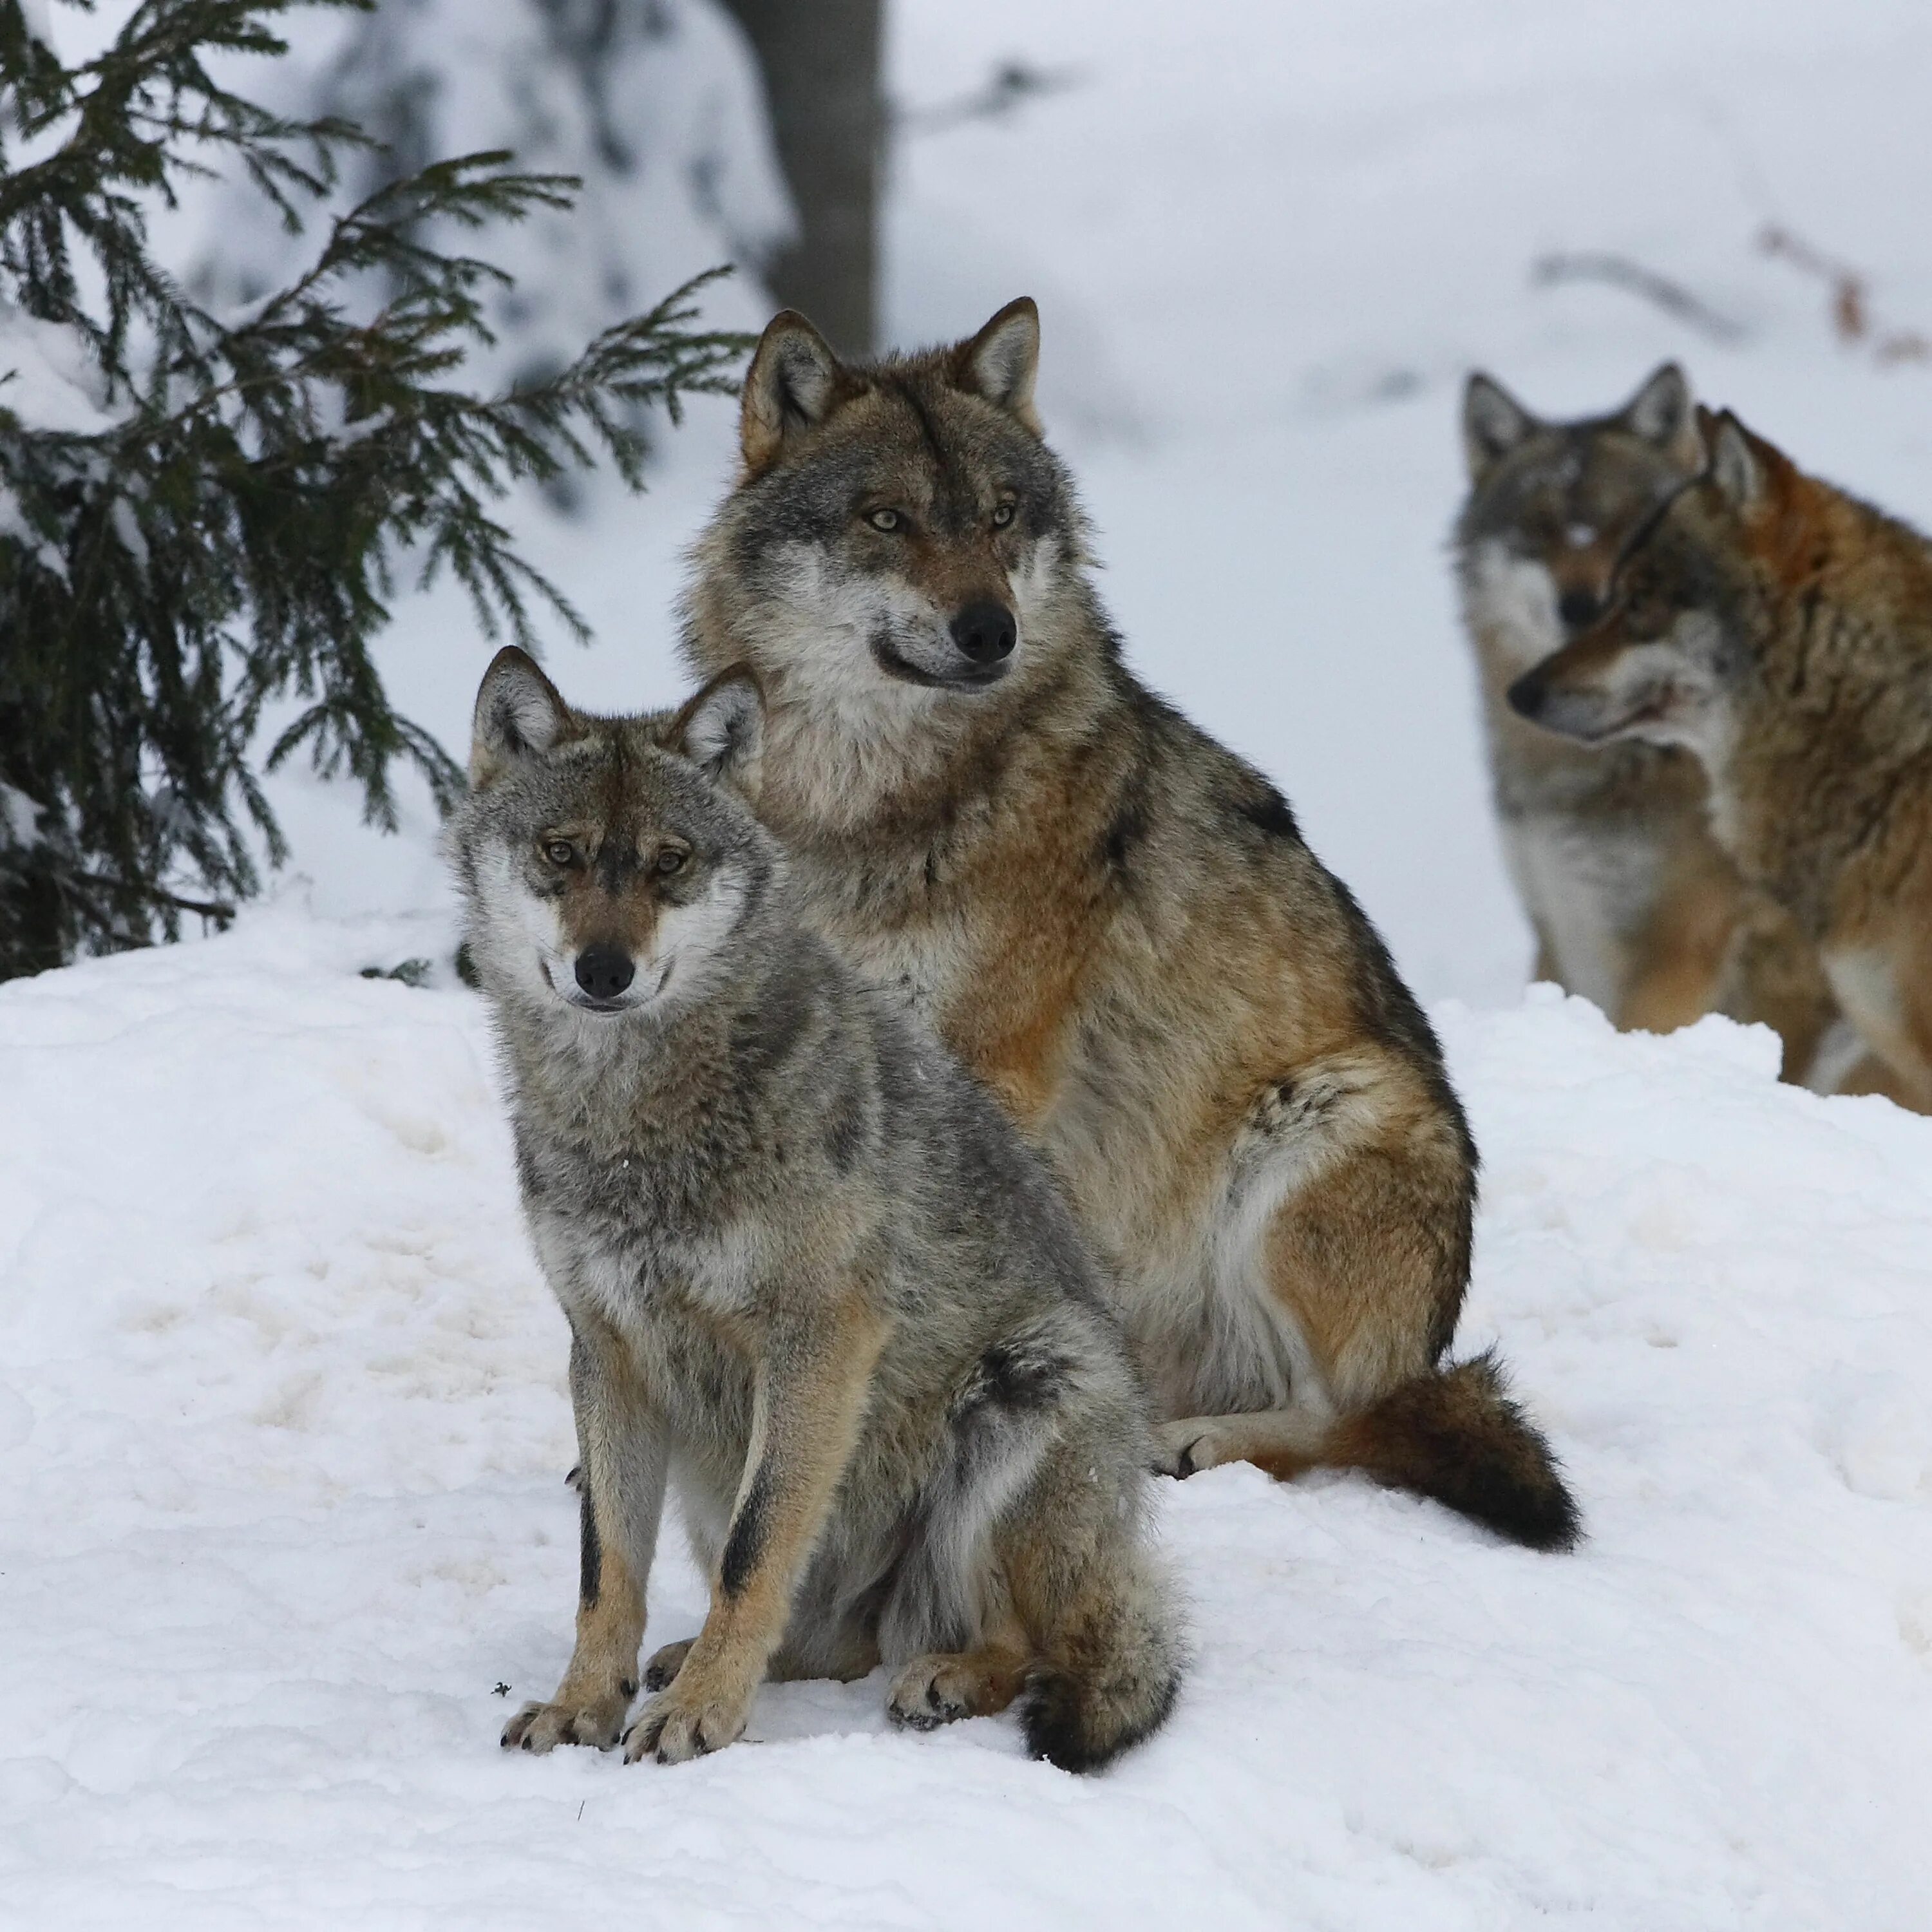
234 534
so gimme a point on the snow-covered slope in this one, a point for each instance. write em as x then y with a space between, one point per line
284 1432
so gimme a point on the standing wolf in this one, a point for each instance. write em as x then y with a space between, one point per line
1112 920
812 1277
1782 631
1634 904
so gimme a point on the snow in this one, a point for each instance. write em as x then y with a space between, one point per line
285 1430
282 1417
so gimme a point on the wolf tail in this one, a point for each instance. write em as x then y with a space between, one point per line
1109 1666
1455 1436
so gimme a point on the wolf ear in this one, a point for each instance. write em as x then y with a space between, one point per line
1734 465
519 715
1493 423
722 729
1000 362
1663 413
792 383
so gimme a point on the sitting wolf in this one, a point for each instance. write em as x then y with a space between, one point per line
812 1276
1781 631
1113 922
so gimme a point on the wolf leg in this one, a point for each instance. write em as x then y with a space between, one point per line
1362 1247
666 1662
810 1395
943 1686
1276 1439
1098 1612
1676 961
620 1499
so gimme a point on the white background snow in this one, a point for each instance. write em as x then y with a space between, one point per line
282 1420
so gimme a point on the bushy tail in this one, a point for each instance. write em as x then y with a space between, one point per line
1455 1436
1109 1671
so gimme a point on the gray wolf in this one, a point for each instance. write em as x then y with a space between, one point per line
813 1280
1113 922
1781 631
1634 904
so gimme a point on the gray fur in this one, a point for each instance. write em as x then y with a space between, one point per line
719 1171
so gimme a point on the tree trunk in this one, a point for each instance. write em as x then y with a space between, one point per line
821 63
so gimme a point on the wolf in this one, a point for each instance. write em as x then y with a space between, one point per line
1113 921
1634 904
814 1281
1781 631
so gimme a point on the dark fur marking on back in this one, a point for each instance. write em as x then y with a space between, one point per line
767 1034
1270 813
746 1543
845 1128
1127 828
1009 1378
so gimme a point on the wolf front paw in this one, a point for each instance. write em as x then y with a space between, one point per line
1185 1447
686 1721
542 1727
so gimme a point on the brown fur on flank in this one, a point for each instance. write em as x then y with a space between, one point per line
1635 904
1114 921
1782 630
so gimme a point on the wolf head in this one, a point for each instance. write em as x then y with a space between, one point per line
608 863
1665 659
1553 505
899 531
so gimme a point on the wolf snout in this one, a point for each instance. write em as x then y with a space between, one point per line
605 972
1529 695
985 632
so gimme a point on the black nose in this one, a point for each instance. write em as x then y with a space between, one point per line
1575 607
1529 695
985 632
605 971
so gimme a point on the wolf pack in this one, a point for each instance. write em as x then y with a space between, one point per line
950 1095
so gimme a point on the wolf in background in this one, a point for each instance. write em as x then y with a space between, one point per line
1634 904
1113 921
814 1280
1781 631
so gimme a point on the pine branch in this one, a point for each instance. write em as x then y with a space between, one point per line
235 536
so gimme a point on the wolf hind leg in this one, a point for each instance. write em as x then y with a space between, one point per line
666 1661
943 1686
1099 1612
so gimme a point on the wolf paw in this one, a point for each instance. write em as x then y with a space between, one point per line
542 1727
683 1723
1185 1447
934 1691
662 1671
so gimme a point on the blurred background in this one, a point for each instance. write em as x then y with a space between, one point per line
1267 242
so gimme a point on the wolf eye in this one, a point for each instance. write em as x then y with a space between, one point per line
558 851
1004 514
671 859
885 520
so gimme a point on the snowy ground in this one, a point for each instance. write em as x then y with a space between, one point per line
287 1391
281 1408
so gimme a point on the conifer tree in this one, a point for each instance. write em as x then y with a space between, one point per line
220 516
